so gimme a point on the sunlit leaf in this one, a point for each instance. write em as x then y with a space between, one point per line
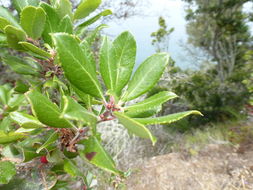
95 18
33 20
85 8
135 127
19 65
35 49
20 4
6 16
25 120
52 139
149 106
124 53
73 110
95 154
7 171
166 119
76 69
146 76
66 25
10 137
46 111
14 35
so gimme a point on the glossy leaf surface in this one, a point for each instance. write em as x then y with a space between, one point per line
19 65
35 49
46 111
52 22
149 106
10 137
64 8
124 53
167 119
73 110
95 154
33 20
66 25
8 17
135 127
52 138
14 36
85 8
95 18
146 76
20 4
107 67
25 120
7 171
76 69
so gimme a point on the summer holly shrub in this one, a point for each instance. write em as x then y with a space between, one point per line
50 116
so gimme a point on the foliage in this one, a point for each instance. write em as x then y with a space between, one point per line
161 36
220 29
217 101
51 114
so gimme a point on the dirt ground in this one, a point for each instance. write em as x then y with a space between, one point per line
216 167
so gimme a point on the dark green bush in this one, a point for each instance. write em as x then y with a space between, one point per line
217 100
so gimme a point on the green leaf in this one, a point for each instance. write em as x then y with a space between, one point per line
46 111
19 65
146 76
95 18
35 49
73 110
85 8
107 67
3 23
124 51
66 25
14 35
71 168
166 119
8 17
5 94
76 69
5 124
63 8
29 154
20 4
21 87
93 34
16 100
3 40
135 127
149 106
33 20
7 171
88 54
26 121
95 154
52 22
87 99
53 137
10 137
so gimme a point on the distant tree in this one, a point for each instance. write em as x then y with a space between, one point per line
161 36
220 28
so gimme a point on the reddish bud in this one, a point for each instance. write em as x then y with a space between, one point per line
90 155
84 187
43 160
